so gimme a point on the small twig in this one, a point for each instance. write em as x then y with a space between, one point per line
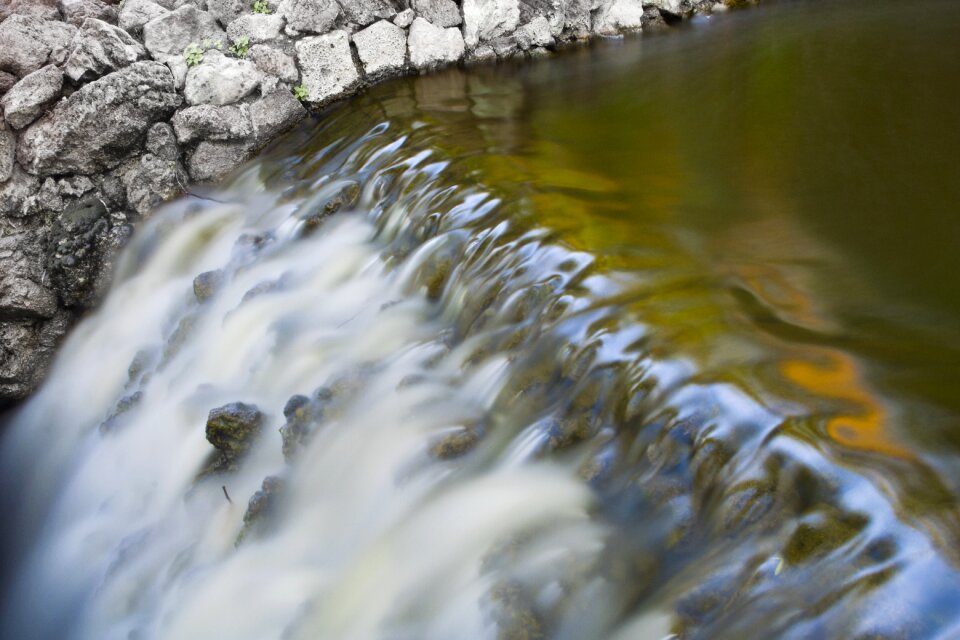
225 494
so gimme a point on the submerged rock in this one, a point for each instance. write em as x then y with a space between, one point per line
262 508
231 429
207 284
303 416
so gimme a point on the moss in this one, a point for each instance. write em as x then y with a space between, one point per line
231 429
813 539
457 444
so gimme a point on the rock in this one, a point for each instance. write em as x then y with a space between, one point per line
382 47
257 27
364 12
101 123
136 13
404 19
178 67
8 152
442 13
310 16
455 444
577 20
614 16
273 62
275 113
220 80
226 11
150 180
303 416
23 293
28 43
172 33
76 11
673 7
162 142
327 66
535 33
431 46
206 285
14 193
553 10
262 507
43 9
231 429
488 19
7 80
26 349
32 96
207 122
100 48
214 160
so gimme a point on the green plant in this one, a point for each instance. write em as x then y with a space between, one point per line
300 92
240 46
262 6
193 54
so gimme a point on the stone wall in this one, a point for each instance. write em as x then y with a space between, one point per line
109 109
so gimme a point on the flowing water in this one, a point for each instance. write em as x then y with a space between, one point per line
660 337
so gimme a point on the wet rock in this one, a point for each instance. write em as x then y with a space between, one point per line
45 9
172 33
124 406
273 62
18 187
535 33
28 43
231 429
8 150
151 180
364 12
258 27
26 349
220 80
101 123
162 142
76 11
206 285
455 444
405 18
431 46
32 96
275 113
382 47
208 122
262 507
488 19
303 415
327 66
614 16
226 11
7 80
100 48
23 293
136 13
442 13
214 160
309 16
345 197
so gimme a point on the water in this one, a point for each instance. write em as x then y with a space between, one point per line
657 339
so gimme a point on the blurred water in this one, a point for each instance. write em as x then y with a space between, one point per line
656 339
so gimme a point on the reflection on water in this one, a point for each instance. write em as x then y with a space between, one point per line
659 339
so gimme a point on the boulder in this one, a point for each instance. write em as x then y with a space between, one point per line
231 429
364 12
172 33
535 33
431 46
614 16
101 123
208 122
32 96
275 113
76 11
16 190
220 80
44 9
327 66
273 62
214 160
382 47
100 48
136 13
206 285
8 152
23 293
28 43
257 27
442 13
226 11
404 19
488 19
309 16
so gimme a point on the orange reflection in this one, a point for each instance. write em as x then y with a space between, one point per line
838 378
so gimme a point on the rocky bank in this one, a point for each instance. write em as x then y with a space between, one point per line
110 109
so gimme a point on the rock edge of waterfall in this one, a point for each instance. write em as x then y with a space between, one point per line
110 109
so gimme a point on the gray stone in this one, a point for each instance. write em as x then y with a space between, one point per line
206 285
23 293
220 80
577 19
535 33
76 11
207 122
226 11
214 160
309 16
673 7
273 62
257 27
442 13
172 33
8 151
28 43
7 80
136 13
162 142
364 12
615 16
553 10
15 191
404 19
44 9
327 66
178 67
275 113
431 46
150 180
100 48
488 19
26 350
32 96
101 123
382 47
